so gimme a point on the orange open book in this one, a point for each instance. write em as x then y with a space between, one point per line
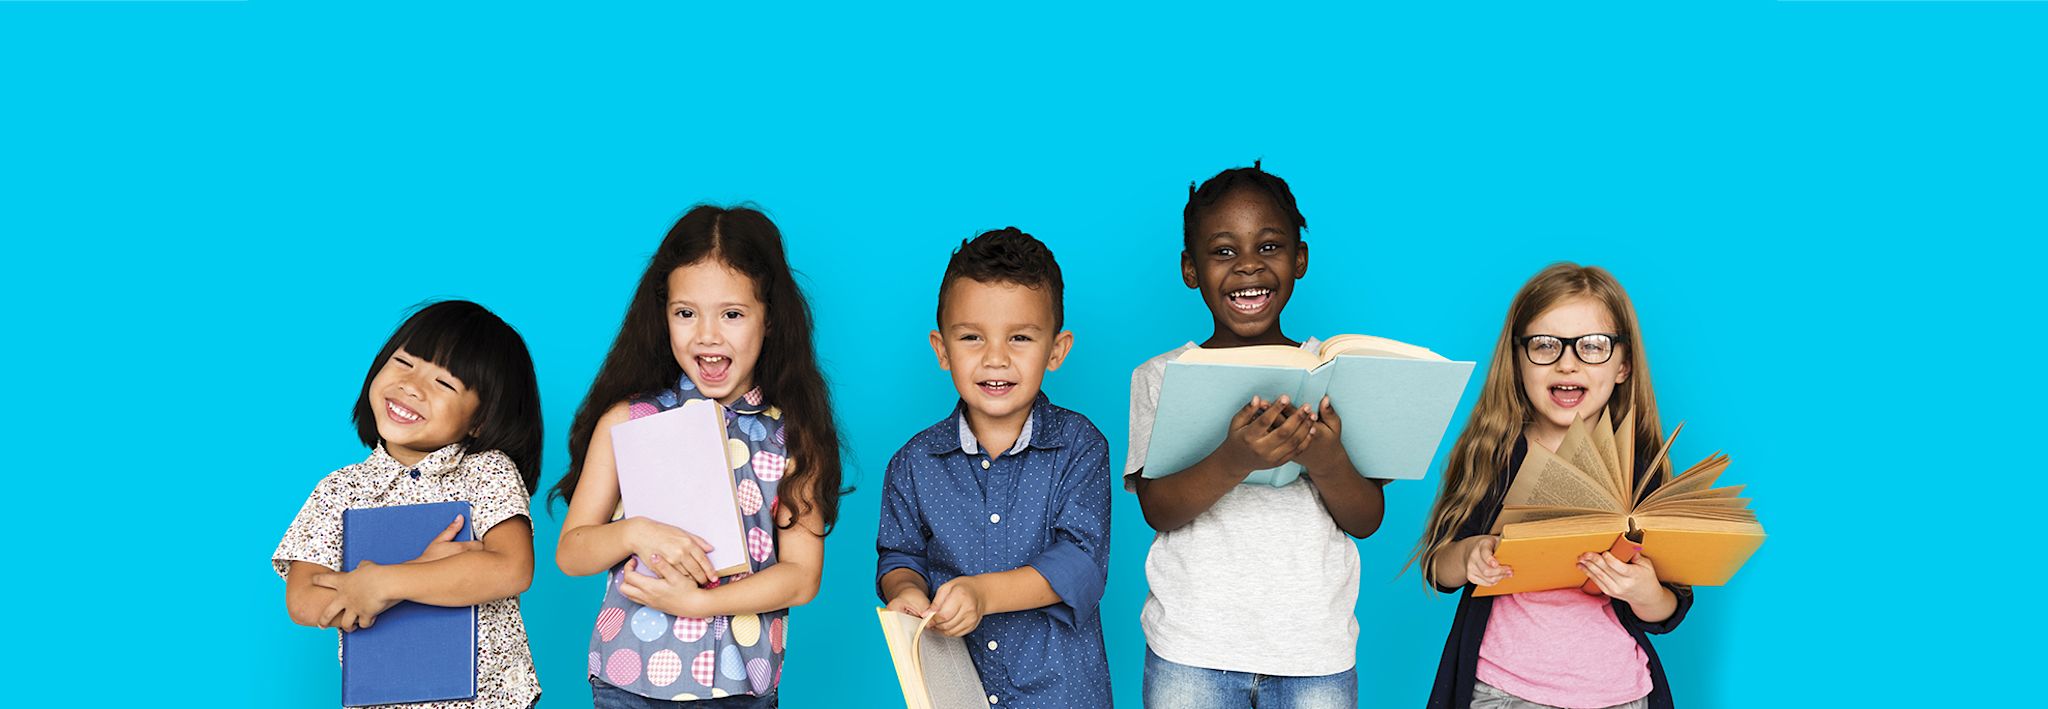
1584 499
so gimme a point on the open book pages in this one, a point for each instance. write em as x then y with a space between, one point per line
935 671
1579 498
1284 356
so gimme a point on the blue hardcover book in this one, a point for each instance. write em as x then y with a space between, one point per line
1395 401
413 652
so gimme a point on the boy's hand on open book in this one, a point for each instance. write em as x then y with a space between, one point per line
359 596
1325 451
1631 581
445 546
683 551
957 608
910 602
671 591
1263 435
1480 566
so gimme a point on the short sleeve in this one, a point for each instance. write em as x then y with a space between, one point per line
1145 383
315 534
496 493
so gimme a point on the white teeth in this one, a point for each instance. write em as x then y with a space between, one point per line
711 359
1249 292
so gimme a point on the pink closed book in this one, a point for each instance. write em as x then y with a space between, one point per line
673 469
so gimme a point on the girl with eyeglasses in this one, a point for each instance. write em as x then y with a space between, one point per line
1570 348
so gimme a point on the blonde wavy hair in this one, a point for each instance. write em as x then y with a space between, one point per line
1503 408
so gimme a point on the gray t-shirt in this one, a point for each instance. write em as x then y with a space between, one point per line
1262 582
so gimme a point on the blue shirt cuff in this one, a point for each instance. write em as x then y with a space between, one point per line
893 560
1073 575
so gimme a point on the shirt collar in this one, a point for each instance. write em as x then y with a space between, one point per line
1040 431
751 403
442 461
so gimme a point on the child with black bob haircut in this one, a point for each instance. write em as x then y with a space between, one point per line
451 411
1003 505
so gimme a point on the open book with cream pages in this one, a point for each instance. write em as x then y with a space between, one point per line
1394 399
1583 498
935 671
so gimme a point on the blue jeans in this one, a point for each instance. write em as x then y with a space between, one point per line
1175 686
605 696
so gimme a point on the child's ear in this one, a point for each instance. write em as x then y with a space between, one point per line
1300 259
1061 345
939 348
1187 269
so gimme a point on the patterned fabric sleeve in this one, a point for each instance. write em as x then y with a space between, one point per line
496 492
315 535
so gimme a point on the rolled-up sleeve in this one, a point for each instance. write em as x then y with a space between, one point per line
1076 564
900 534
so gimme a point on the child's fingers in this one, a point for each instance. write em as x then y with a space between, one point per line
1327 414
1597 571
454 528
327 579
333 610
633 593
1244 415
701 543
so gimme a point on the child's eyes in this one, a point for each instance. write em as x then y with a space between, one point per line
1020 338
970 338
734 315
686 313
445 385
1226 253
401 360
1268 247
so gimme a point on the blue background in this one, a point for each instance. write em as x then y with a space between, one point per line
214 214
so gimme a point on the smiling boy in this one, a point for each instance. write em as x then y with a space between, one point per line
1003 506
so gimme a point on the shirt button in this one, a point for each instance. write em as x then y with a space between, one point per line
991 699
995 519
991 644
984 464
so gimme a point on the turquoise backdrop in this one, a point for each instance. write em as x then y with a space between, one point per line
1826 213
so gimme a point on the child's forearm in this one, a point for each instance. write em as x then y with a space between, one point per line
1173 501
1658 608
593 548
1448 568
1355 503
785 584
465 579
897 581
1018 589
303 600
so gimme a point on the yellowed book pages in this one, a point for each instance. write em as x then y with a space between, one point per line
1563 505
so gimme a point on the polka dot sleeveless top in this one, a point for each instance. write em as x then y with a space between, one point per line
657 655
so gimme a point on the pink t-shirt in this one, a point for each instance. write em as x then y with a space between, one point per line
1563 648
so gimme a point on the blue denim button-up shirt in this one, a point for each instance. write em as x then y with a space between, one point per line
948 510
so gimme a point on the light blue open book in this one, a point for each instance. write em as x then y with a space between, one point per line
1394 399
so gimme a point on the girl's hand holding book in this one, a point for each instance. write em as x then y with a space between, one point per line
1631 581
359 596
1480 566
680 550
670 591
445 546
